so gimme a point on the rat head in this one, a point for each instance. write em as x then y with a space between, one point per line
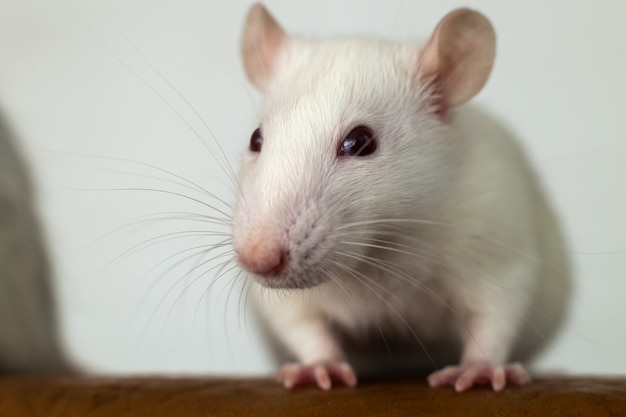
352 133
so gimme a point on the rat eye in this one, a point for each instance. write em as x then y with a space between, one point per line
359 142
256 141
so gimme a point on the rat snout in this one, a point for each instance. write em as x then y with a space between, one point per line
262 255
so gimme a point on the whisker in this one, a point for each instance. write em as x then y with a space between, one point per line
203 251
350 301
166 237
457 268
203 248
395 21
205 293
231 172
389 268
153 190
160 96
230 285
190 184
470 232
241 311
171 288
156 217
362 278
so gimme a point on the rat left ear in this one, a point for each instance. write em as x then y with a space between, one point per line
261 42
459 56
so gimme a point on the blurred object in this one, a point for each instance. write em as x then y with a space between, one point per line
28 334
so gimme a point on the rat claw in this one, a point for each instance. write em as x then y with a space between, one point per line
498 379
288 375
444 376
323 375
347 375
516 373
464 377
466 380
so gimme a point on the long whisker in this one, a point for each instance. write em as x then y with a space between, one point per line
152 190
190 184
241 303
395 21
157 217
231 286
363 279
350 302
390 269
407 278
205 294
160 96
231 172
153 241
218 275
471 232
203 250
456 267
164 298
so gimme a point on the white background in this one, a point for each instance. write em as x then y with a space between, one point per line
72 80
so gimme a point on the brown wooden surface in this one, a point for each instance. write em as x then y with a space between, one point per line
75 396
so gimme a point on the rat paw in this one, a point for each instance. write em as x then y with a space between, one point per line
464 377
322 374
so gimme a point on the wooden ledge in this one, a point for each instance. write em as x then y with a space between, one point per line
172 397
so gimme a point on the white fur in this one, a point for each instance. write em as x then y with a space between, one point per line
478 267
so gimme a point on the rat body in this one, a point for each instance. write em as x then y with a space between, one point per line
28 333
388 229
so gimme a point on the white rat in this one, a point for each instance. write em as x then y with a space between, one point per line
374 213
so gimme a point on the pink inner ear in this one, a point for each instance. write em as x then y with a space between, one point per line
458 57
263 38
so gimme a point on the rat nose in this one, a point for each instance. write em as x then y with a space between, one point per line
263 257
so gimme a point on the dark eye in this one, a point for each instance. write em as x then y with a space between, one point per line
359 142
256 141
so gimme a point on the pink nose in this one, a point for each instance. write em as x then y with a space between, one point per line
263 257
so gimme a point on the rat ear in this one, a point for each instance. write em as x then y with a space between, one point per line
262 40
459 56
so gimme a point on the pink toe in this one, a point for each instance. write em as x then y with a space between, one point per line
323 375
289 375
465 377
445 376
498 379
322 378
466 380
347 375
517 374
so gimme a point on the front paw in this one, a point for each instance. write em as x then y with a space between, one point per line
322 374
464 377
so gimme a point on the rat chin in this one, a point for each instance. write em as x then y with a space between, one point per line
291 281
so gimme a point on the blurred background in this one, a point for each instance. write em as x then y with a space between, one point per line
105 97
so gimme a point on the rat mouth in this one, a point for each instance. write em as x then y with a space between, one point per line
290 281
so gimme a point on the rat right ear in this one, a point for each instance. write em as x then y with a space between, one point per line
261 42
459 57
